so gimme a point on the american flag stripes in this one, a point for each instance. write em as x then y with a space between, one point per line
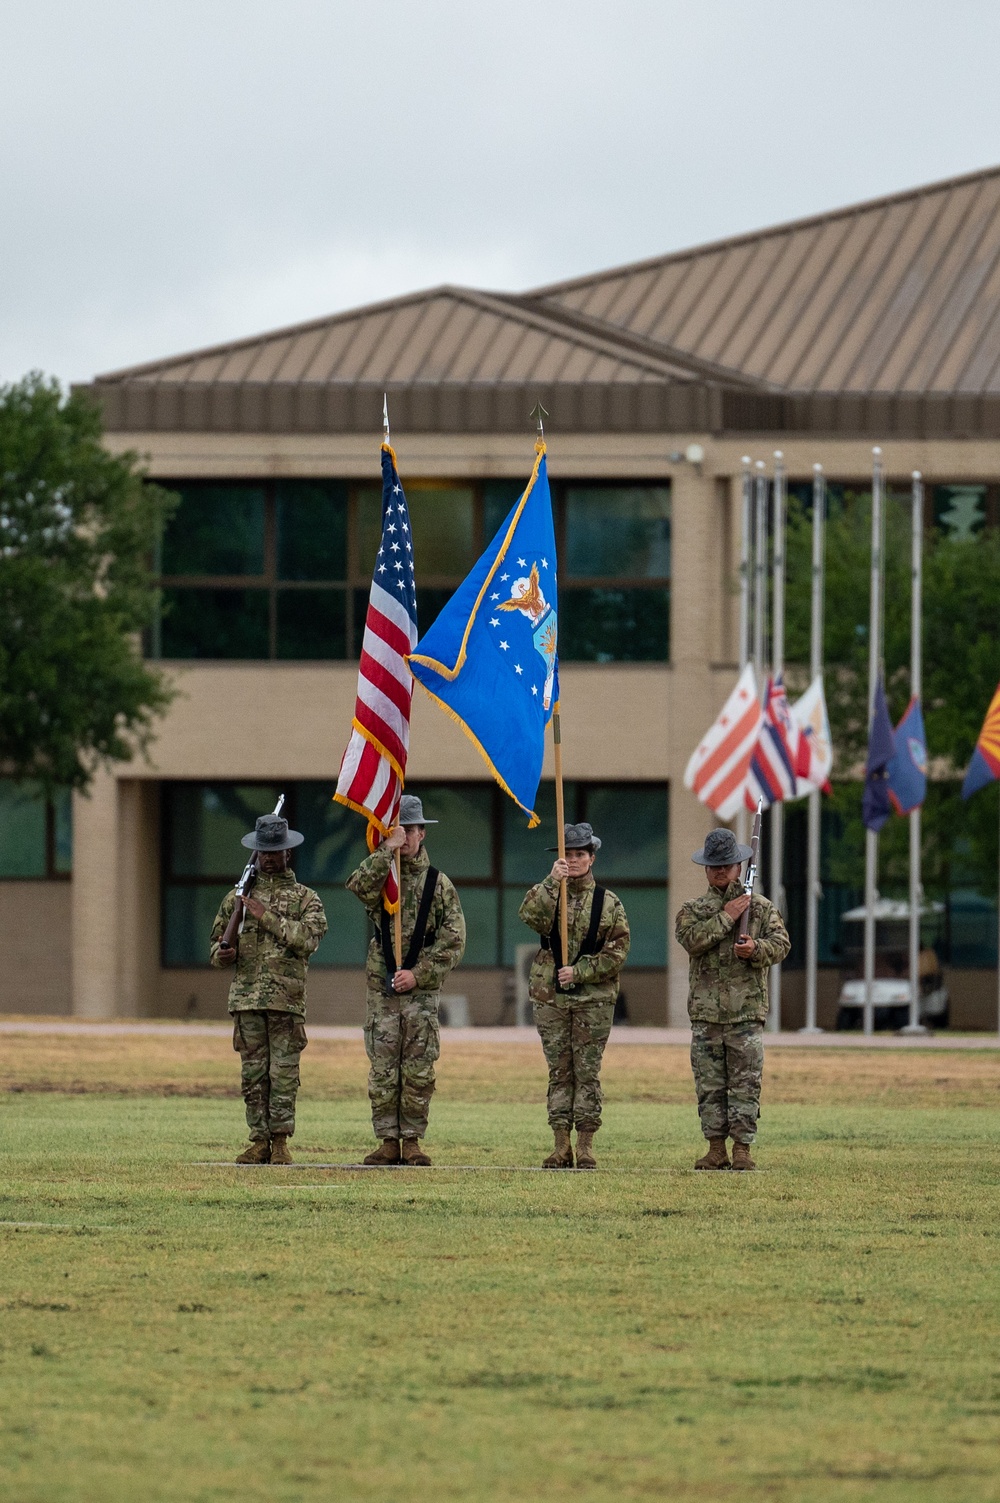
374 766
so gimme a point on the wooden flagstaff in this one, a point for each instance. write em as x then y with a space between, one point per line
397 918
538 413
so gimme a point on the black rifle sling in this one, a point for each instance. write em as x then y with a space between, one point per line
419 929
553 940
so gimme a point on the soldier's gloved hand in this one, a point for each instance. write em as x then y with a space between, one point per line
227 954
566 977
738 905
560 870
396 838
404 981
744 948
254 906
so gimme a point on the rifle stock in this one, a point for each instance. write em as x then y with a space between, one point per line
243 887
751 876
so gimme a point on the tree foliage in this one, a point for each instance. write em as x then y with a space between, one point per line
77 532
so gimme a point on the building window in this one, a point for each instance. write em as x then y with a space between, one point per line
36 833
481 842
282 569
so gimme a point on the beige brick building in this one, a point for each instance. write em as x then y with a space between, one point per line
877 324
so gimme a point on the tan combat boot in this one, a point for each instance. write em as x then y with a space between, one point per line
585 1149
413 1154
279 1149
716 1157
741 1156
561 1156
259 1152
387 1154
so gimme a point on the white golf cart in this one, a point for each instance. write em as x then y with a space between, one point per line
891 989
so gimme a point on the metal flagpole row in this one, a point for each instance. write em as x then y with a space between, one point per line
777 820
874 670
813 890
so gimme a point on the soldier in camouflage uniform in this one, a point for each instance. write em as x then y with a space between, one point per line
283 923
574 1004
727 998
402 1034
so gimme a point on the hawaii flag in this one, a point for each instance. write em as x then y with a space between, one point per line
814 762
717 771
774 765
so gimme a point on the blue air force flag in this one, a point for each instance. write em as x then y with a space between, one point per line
490 658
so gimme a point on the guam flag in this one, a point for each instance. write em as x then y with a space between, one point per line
490 658
985 765
908 768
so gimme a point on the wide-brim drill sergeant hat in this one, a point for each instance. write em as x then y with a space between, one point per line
411 811
579 837
721 848
272 834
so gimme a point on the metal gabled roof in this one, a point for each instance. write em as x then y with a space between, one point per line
896 295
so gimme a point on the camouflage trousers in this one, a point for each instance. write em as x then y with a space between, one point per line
573 1038
269 1044
728 1062
402 1040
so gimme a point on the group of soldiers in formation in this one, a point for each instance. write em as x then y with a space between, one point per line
574 999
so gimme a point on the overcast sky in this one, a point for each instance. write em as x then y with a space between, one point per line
178 172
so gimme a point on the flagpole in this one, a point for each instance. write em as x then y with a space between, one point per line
397 918
777 670
813 890
759 572
916 691
746 548
874 666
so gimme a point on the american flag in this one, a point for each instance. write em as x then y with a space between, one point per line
374 765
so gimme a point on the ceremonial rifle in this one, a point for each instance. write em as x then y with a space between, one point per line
243 887
752 864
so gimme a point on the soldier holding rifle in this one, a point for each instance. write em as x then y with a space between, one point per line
733 937
269 933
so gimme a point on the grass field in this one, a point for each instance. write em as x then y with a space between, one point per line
828 1328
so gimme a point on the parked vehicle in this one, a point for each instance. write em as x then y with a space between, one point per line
891 989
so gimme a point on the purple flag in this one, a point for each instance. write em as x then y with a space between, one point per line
875 806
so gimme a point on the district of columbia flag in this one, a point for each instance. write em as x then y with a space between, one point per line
985 765
774 765
374 765
814 762
717 770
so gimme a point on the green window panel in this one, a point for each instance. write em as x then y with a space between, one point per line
23 831
311 624
631 820
614 626
346 938
215 623
443 521
514 932
206 821
188 915
462 844
479 904
525 858
216 529
62 812
335 843
621 531
310 520
499 496
647 909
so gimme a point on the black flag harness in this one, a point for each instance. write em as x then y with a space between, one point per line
420 935
553 940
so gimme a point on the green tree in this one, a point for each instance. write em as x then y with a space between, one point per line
78 527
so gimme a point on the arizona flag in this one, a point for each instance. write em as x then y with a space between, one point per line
774 764
985 765
908 768
717 771
814 761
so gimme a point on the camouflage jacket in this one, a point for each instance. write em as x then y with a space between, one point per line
596 976
273 951
722 988
445 922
